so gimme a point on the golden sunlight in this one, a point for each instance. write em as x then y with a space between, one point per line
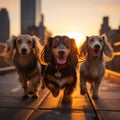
79 38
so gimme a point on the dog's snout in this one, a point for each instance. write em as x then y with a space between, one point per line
97 46
61 53
23 50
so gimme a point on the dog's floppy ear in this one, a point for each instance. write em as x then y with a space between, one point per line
46 55
84 48
108 51
10 49
73 52
11 44
37 47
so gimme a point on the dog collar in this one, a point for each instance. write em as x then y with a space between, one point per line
62 66
58 74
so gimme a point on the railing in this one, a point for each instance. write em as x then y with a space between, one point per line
114 65
117 44
116 53
112 75
5 69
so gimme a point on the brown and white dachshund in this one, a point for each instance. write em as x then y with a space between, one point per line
60 54
24 52
94 49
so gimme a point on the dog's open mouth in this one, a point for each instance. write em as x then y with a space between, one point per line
61 60
24 53
96 53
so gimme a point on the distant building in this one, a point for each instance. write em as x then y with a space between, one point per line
113 34
44 34
114 38
33 30
40 31
30 11
4 25
32 21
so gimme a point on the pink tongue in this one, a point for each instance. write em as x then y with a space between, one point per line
61 60
96 54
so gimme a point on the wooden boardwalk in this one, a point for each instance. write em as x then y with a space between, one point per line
47 107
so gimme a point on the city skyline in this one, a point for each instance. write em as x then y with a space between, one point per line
4 25
68 17
29 14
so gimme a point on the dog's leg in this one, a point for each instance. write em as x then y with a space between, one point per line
92 86
83 88
34 86
96 88
53 88
42 82
67 94
43 76
24 85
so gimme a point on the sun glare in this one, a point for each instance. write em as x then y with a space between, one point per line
78 38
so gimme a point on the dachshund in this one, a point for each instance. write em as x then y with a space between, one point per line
94 50
24 52
60 57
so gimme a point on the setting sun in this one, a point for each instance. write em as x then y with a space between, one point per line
77 36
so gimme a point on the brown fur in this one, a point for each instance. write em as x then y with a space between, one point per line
92 69
24 52
60 51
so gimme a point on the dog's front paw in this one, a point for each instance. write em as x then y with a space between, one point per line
95 96
83 91
31 92
35 96
55 92
25 96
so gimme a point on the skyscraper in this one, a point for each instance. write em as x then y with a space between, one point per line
30 9
114 38
113 34
4 25
105 28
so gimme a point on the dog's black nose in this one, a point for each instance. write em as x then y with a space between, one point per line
24 50
61 53
97 46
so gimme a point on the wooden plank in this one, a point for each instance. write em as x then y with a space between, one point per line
112 72
115 76
117 43
116 53
7 68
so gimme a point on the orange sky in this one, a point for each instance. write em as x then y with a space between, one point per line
82 17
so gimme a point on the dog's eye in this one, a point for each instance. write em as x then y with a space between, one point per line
100 40
29 42
91 40
19 42
55 44
67 44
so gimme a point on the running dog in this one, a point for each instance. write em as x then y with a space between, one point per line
93 68
60 54
24 52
